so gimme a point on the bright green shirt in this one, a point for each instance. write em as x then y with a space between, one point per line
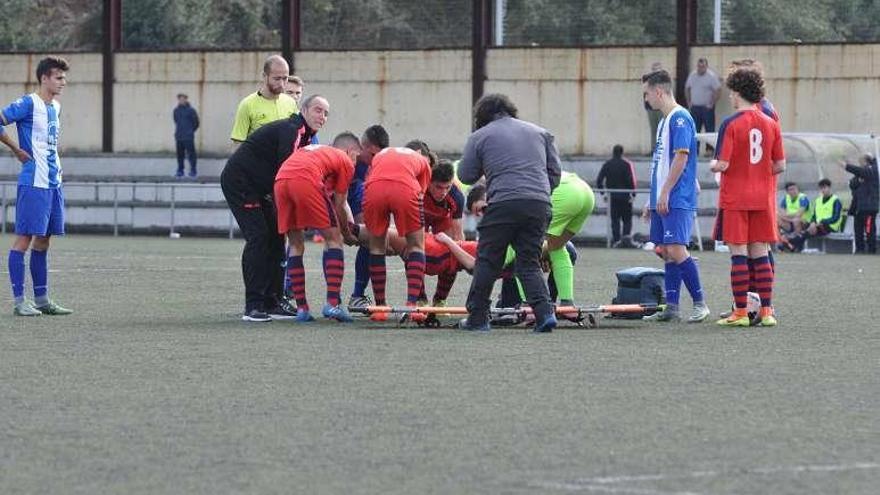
254 111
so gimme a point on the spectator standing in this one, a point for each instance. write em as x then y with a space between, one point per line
702 89
521 166
867 197
186 123
619 173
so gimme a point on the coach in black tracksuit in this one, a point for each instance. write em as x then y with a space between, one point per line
618 173
247 182
521 167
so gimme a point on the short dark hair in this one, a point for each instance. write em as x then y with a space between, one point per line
748 83
182 95
789 184
344 136
825 182
419 145
658 78
44 68
491 107
617 151
377 136
477 193
443 171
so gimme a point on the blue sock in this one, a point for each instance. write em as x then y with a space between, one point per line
40 276
16 274
691 276
672 282
361 272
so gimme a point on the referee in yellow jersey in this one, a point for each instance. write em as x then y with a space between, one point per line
267 104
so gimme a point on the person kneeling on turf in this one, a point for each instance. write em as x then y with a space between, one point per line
303 201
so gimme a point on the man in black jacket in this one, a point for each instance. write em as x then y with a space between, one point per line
186 122
247 182
619 173
867 196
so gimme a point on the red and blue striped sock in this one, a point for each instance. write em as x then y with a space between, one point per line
764 280
297 274
739 280
415 276
377 277
334 269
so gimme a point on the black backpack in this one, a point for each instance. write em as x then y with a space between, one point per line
638 285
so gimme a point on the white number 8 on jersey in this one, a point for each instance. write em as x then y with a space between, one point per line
756 152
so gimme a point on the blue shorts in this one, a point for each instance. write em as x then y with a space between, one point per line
356 196
674 228
39 211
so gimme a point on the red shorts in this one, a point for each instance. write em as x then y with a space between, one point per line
746 226
385 198
301 205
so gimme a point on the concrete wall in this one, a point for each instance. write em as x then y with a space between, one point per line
590 98
81 102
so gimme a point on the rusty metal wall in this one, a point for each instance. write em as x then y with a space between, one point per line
590 98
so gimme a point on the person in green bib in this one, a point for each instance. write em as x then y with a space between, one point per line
795 210
827 216
572 203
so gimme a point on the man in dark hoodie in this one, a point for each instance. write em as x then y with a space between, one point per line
521 165
186 122
247 181
867 195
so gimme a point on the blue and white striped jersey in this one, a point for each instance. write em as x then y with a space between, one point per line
38 130
676 132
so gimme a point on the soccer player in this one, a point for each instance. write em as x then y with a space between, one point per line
572 203
268 104
749 158
396 187
39 206
248 181
444 203
310 191
374 140
673 198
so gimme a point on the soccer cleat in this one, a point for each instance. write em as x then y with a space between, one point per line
359 302
423 301
768 321
699 314
336 313
256 316
664 315
283 311
439 303
466 326
547 325
735 320
26 308
50 308
303 316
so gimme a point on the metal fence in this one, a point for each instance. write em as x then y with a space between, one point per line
119 192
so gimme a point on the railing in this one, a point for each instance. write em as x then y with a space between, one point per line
173 203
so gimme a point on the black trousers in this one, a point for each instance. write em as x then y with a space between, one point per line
520 224
263 254
621 212
865 231
186 147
